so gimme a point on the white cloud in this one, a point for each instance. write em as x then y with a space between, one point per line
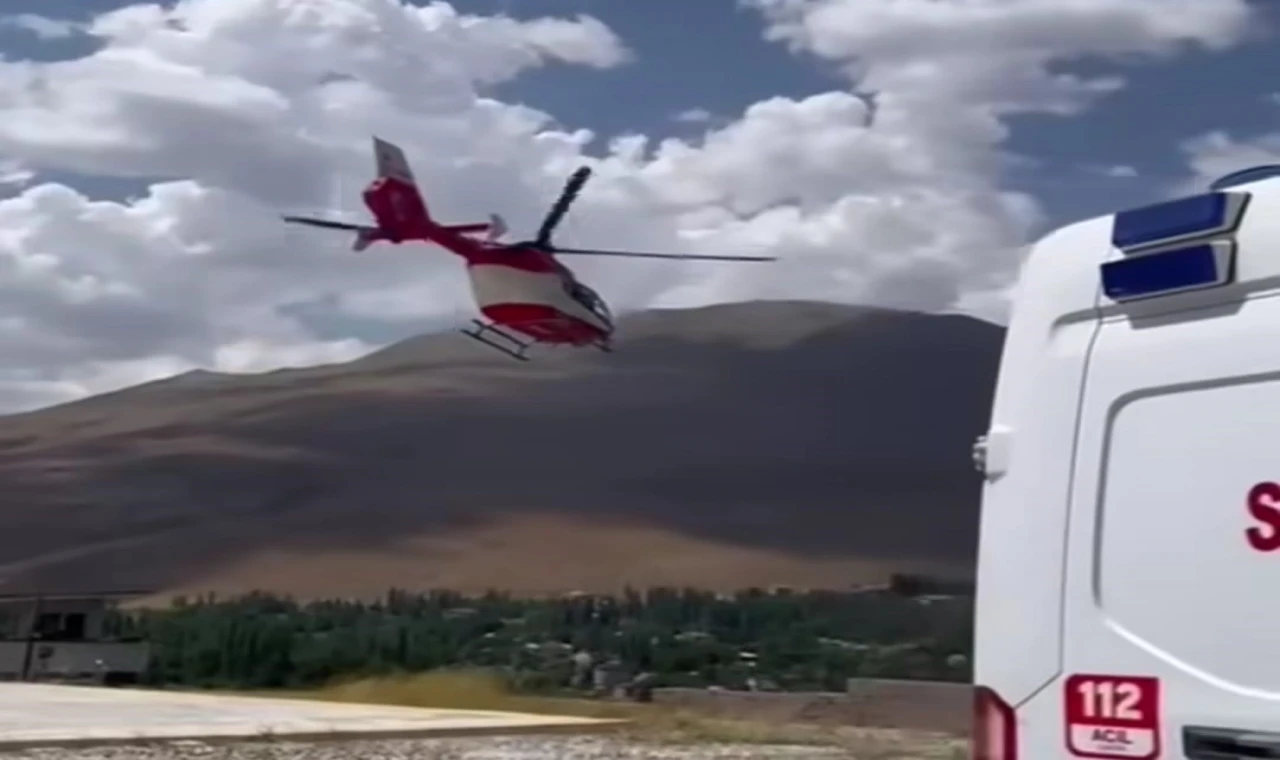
997 53
258 106
1115 171
585 40
13 173
694 116
41 26
1215 154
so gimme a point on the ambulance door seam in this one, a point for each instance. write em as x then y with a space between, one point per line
1070 496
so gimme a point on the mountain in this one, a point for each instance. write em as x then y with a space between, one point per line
763 443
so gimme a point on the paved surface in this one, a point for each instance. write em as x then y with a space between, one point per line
474 748
33 715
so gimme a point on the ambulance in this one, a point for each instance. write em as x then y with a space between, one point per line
1128 601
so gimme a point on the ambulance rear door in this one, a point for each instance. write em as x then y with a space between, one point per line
1171 636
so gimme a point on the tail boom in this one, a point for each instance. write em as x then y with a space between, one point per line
401 214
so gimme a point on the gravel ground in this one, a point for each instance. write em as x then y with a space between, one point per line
862 747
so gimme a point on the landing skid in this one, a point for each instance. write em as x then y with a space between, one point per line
499 339
502 340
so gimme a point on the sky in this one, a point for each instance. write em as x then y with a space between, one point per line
897 153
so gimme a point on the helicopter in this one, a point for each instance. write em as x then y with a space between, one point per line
525 293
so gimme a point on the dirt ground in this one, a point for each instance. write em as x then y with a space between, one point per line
910 705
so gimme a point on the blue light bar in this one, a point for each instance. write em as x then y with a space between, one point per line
1245 176
1199 216
1208 265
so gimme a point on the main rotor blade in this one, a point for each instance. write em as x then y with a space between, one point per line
561 206
647 255
326 223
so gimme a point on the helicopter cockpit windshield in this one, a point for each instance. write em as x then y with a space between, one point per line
591 300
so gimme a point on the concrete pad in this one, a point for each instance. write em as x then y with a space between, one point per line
33 715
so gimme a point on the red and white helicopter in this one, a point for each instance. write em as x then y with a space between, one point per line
519 287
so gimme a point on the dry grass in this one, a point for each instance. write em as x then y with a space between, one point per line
452 690
647 723
465 690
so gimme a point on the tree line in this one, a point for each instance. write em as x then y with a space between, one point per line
783 639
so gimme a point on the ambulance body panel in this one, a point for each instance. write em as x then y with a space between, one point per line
1131 512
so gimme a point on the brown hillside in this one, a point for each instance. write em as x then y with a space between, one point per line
770 442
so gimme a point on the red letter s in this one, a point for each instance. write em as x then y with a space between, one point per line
1264 506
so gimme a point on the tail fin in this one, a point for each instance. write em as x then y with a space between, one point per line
497 227
402 193
391 161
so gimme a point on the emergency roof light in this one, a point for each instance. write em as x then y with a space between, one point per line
1195 217
1204 265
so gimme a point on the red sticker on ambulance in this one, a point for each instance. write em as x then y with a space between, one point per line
1112 716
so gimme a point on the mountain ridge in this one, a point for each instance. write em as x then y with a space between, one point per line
804 440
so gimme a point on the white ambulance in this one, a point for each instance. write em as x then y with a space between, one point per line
1129 564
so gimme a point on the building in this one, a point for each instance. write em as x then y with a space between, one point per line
608 677
63 637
